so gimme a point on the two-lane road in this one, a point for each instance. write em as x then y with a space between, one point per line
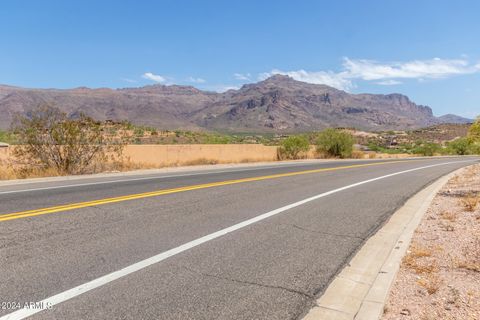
243 243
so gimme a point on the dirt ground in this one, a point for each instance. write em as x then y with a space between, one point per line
440 275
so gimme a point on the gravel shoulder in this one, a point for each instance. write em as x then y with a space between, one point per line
439 277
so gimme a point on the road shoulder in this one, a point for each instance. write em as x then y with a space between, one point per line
360 290
439 276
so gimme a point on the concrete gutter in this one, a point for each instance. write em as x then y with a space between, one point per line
360 291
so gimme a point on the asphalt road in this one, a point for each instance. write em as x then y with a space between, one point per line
219 244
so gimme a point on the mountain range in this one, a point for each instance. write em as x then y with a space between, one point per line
277 104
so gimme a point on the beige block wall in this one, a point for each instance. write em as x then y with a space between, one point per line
178 154
4 153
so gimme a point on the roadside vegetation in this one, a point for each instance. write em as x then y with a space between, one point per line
49 140
7 137
334 143
294 147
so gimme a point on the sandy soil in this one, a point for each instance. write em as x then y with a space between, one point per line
440 275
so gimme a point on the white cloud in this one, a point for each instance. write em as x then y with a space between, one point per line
221 87
196 80
153 77
242 76
329 78
434 68
389 82
388 73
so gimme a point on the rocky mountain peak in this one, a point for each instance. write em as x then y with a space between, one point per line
276 104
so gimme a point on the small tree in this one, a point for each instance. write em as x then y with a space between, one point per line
293 147
474 130
426 149
335 143
460 146
47 138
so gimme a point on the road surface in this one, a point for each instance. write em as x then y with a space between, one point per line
251 243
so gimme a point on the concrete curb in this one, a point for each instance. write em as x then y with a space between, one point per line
360 291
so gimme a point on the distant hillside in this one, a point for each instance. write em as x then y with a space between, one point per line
452 118
277 104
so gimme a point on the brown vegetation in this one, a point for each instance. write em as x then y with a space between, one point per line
49 140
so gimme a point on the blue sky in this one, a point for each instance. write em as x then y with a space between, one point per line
428 50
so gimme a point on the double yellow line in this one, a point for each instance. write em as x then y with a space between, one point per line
79 205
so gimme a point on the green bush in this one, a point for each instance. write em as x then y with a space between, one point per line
474 148
461 146
7 137
474 131
293 147
427 149
334 143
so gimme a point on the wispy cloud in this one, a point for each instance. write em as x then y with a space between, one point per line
153 77
434 68
221 87
389 82
129 80
387 73
329 78
242 76
196 80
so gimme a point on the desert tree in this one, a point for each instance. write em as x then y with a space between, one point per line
293 147
474 130
335 143
48 138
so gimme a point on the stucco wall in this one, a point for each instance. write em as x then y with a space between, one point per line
178 154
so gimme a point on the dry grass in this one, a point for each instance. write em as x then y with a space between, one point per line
357 154
415 260
468 266
470 202
449 215
200 161
420 252
431 283
8 173
470 257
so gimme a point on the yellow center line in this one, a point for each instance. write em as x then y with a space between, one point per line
79 205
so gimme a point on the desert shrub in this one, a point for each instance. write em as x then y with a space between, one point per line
427 149
474 130
335 143
139 131
461 146
49 139
7 137
293 147
474 148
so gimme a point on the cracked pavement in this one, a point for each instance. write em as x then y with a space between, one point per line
273 269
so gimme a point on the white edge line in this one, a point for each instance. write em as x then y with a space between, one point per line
98 282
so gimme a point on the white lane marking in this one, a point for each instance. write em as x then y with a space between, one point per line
147 178
98 282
